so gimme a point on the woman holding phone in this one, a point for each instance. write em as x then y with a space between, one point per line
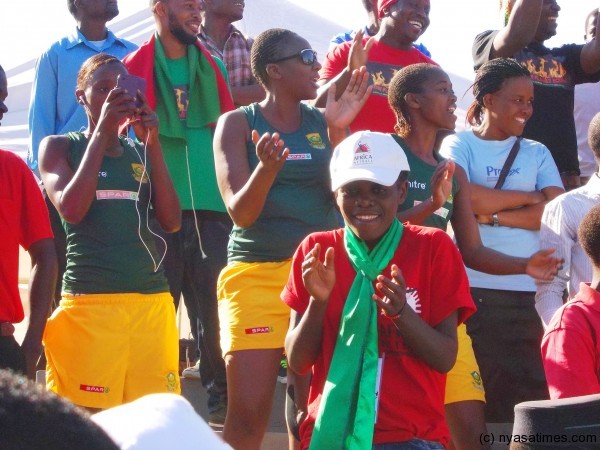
114 337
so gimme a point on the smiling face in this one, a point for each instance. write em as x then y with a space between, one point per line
411 18
181 18
507 111
437 101
547 24
369 208
3 93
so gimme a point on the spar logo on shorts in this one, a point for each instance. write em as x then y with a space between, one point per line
259 330
94 389
477 384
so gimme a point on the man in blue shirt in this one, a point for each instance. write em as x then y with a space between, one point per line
53 108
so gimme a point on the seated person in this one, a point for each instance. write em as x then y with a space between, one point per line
359 281
570 348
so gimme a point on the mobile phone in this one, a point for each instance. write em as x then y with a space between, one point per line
132 84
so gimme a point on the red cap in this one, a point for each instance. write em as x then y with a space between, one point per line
382 4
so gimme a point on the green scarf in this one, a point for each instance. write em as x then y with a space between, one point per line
203 106
346 417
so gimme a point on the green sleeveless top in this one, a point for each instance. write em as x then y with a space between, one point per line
104 251
300 200
419 187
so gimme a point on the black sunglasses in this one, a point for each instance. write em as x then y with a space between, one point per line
308 55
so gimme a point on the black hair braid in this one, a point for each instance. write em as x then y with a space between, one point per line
267 49
490 78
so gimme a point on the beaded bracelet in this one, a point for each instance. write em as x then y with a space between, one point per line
398 314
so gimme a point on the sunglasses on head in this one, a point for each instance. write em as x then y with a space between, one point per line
308 56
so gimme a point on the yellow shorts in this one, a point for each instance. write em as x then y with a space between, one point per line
103 350
251 313
463 382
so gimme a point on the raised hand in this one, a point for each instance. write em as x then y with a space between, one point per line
118 106
319 277
146 125
270 150
340 112
390 295
542 266
359 53
441 182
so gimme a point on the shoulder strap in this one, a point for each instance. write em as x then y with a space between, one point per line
508 163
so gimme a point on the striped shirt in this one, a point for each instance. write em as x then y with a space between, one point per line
560 222
235 55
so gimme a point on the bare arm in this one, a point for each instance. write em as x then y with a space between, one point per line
164 197
436 346
244 95
41 291
244 191
71 192
541 265
303 340
527 217
590 54
519 31
486 200
358 57
441 188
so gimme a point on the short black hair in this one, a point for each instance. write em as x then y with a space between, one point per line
589 235
407 80
267 48
489 79
31 417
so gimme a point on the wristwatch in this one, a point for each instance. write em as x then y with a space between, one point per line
495 221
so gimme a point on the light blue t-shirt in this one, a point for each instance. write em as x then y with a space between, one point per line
53 108
533 170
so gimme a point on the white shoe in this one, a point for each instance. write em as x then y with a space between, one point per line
192 372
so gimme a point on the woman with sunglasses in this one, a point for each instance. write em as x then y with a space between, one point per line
506 330
272 162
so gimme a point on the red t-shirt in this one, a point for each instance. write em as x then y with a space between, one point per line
571 348
411 401
384 61
23 221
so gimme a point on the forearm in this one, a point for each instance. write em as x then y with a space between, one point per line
549 297
527 217
341 82
488 201
438 350
418 214
336 135
303 343
487 260
245 206
42 281
520 30
590 57
245 95
165 199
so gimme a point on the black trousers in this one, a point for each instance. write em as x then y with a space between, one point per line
11 355
507 333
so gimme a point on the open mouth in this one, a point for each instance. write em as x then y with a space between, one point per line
452 109
417 24
366 217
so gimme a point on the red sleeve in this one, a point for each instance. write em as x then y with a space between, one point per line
450 285
34 220
569 354
335 61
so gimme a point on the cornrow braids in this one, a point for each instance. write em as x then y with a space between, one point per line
266 49
408 80
489 79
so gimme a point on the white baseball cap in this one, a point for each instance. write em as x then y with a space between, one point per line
367 156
